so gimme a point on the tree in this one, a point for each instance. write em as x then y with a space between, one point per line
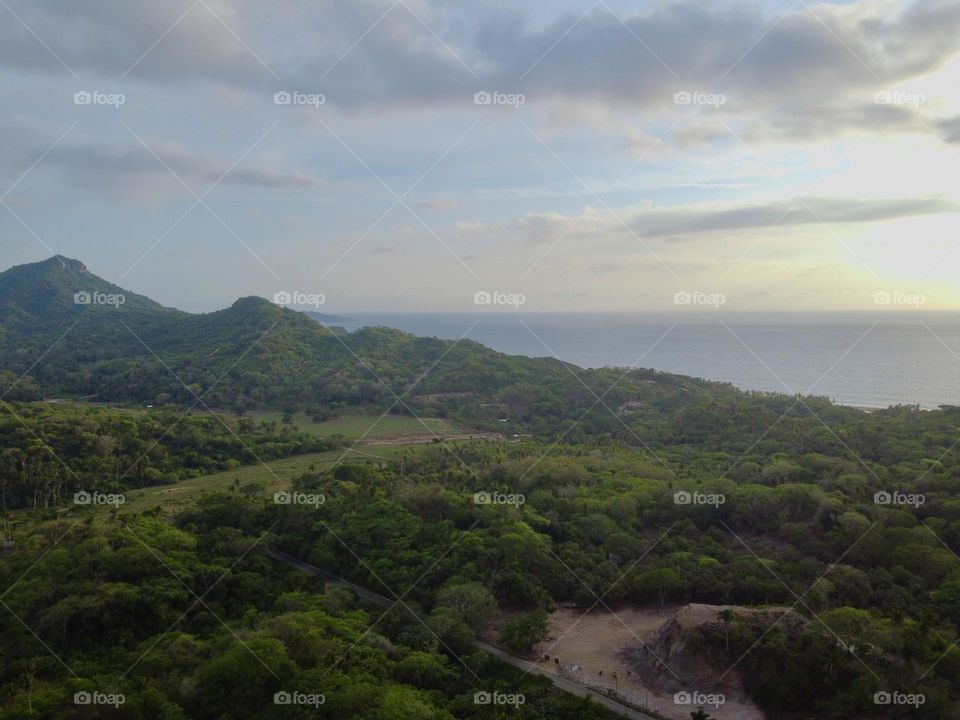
522 632
662 583
400 702
424 670
726 615
472 601
236 682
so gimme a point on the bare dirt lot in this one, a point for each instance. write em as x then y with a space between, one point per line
594 642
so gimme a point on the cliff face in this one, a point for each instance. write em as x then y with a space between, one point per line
71 265
688 651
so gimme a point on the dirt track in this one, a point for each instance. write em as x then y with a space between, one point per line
419 438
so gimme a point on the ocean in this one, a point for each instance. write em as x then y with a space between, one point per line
863 359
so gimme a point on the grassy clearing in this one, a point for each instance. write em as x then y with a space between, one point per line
351 425
397 434
273 476
354 425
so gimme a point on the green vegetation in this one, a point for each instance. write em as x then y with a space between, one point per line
521 633
620 488
875 585
257 355
194 621
258 479
48 452
352 425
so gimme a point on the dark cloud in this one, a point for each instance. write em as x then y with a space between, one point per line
130 171
950 129
177 39
803 211
820 63
679 224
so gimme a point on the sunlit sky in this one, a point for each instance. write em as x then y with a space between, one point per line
815 166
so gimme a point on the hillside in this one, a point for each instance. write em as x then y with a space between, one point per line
257 354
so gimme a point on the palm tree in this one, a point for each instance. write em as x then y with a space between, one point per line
726 615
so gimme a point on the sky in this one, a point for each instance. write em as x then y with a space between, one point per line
570 155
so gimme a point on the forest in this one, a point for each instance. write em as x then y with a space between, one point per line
859 548
825 535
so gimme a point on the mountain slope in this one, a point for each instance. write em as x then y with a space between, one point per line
255 354
56 292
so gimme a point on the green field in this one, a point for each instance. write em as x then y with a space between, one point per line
398 434
272 476
355 425
365 435
351 425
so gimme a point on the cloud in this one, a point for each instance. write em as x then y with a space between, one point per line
532 228
676 223
801 211
813 70
440 204
173 40
131 171
950 129
799 90
809 71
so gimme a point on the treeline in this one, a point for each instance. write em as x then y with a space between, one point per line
49 451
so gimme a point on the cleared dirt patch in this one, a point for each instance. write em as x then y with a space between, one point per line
423 437
595 644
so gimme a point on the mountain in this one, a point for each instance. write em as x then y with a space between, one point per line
75 334
47 297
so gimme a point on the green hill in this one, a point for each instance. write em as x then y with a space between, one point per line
258 354
41 301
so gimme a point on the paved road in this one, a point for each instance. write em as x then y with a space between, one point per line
517 662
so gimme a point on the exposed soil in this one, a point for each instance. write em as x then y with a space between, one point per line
608 649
